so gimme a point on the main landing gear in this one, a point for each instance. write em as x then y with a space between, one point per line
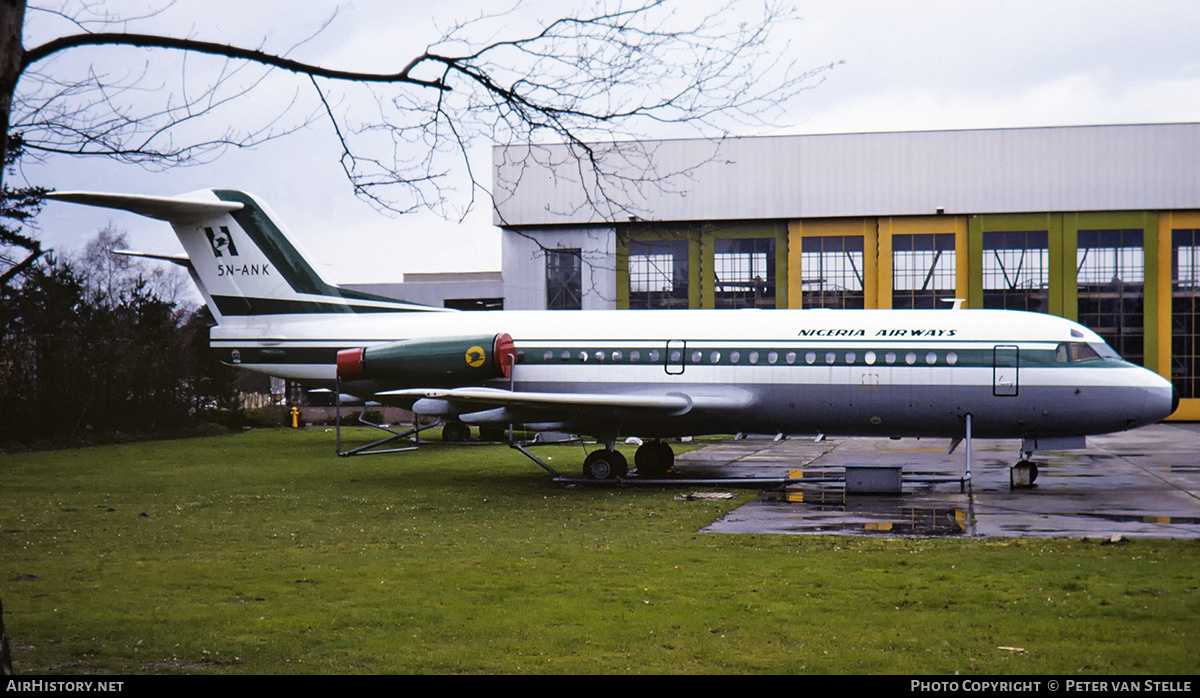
653 460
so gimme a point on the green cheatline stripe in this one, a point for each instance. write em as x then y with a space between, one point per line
965 358
242 305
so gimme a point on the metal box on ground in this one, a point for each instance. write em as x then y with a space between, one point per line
871 478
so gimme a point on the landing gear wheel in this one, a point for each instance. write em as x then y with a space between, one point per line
654 460
604 465
455 431
493 434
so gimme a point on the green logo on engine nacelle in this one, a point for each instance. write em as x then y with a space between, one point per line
476 357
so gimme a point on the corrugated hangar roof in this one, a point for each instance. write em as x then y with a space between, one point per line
1070 168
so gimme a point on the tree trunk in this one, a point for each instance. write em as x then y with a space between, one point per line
12 19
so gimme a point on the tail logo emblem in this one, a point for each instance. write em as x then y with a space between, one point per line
222 242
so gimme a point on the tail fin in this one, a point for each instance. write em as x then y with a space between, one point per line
244 262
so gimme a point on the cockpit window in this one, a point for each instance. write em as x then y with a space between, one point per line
1073 352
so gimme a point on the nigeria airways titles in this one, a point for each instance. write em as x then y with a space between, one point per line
843 332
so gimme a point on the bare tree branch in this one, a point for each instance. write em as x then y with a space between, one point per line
591 80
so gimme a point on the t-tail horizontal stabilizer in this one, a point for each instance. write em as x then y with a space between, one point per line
244 261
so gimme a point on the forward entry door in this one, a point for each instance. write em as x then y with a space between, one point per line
1006 361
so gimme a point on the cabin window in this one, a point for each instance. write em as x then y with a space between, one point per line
830 358
772 357
635 356
851 357
564 279
654 356
951 358
810 357
565 355
931 358
735 356
696 355
548 356
869 357
753 357
714 357
910 358
616 356
890 357
790 357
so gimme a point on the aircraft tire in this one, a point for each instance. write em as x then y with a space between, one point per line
605 465
654 459
455 431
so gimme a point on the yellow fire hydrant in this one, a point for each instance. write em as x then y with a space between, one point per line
295 417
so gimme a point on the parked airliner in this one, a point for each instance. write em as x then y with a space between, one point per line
647 373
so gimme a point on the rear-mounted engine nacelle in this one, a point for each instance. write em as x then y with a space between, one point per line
431 362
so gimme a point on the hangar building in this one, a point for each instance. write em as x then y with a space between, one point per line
1100 224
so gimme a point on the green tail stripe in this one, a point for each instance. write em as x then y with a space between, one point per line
242 305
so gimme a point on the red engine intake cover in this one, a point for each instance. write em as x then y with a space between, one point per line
350 363
506 354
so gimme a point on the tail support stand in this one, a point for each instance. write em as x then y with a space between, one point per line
373 447
965 484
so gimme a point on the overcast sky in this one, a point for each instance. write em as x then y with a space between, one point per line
905 66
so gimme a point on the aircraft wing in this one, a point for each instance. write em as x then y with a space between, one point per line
488 405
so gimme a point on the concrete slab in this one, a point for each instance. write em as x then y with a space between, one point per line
1143 483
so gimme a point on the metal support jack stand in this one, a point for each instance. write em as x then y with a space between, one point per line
373 448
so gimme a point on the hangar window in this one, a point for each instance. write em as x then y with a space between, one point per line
923 270
745 272
658 274
1185 311
1016 270
831 271
564 279
1111 288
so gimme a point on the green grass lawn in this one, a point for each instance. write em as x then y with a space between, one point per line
262 552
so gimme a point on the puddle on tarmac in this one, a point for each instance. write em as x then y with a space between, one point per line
827 509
